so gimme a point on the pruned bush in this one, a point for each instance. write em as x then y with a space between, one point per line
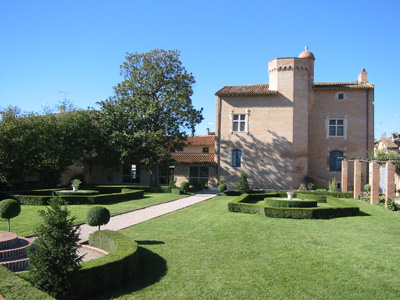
9 208
97 216
185 186
222 187
176 191
243 183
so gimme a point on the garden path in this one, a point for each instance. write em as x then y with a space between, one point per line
129 219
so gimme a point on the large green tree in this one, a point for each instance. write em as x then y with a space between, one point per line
150 111
44 145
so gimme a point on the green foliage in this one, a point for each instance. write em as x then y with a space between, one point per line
44 145
108 272
332 185
97 216
289 203
185 186
367 188
53 258
9 208
150 109
248 203
176 191
171 183
14 287
243 184
222 187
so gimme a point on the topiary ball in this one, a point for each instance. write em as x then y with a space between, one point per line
222 187
9 208
97 216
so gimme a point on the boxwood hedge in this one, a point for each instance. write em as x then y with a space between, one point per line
248 203
111 271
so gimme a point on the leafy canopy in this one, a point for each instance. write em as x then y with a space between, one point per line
151 109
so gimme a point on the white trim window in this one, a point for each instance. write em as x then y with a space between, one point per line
336 127
240 122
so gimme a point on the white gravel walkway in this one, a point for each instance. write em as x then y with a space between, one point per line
129 219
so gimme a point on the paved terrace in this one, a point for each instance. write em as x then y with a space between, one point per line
129 219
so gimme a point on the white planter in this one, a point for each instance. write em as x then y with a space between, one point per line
75 188
290 195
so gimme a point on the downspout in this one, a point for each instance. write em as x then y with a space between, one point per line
367 121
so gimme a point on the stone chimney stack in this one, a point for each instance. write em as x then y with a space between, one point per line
207 131
363 77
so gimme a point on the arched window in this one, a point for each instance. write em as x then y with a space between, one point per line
236 158
335 164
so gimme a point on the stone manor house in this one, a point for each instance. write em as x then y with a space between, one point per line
278 133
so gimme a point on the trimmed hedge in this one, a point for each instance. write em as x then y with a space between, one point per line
248 203
111 271
14 287
83 199
317 197
289 203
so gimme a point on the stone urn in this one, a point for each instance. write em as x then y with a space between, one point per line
290 195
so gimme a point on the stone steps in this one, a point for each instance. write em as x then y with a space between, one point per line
13 251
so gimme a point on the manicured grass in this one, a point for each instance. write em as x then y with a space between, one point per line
28 219
206 252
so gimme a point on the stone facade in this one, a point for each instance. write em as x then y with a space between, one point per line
280 132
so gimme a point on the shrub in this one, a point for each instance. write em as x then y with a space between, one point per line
185 186
243 184
171 183
9 208
176 191
222 187
367 188
53 258
110 271
97 216
333 185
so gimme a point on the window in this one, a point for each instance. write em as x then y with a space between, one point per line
340 96
335 164
172 149
164 174
130 174
110 175
236 158
198 175
205 149
239 122
336 127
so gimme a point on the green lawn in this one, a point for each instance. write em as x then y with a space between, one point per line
29 219
206 252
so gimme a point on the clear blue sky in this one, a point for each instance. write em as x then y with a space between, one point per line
77 46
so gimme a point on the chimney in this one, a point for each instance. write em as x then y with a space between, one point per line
363 77
207 131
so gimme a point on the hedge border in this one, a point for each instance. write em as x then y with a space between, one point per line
274 202
246 204
111 271
82 199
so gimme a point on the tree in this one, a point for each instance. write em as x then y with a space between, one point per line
97 216
53 258
44 145
9 208
150 111
243 184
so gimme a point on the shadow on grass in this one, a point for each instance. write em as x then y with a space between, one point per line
152 268
363 214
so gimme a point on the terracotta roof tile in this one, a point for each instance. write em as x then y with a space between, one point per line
193 158
201 140
343 85
245 90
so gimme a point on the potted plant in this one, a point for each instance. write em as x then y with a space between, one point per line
290 194
75 184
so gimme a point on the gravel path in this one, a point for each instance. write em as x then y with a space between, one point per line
129 219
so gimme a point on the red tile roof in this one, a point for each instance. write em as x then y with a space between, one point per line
245 90
343 85
201 140
263 89
193 158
